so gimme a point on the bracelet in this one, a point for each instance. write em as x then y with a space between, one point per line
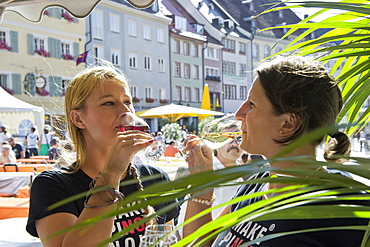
116 196
204 201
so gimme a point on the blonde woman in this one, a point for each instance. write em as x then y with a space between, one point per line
96 101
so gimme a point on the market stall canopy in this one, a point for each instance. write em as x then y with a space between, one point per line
11 107
32 10
174 112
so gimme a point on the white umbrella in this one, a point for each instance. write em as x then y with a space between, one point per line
174 112
32 9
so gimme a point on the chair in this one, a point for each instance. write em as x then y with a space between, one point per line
10 167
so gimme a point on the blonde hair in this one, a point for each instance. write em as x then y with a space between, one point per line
78 91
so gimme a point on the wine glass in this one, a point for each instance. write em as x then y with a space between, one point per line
132 122
161 235
218 133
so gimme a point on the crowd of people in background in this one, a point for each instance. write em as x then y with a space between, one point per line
33 145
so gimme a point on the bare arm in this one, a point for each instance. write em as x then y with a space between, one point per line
116 165
199 159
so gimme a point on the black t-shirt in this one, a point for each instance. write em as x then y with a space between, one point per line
17 150
252 230
54 185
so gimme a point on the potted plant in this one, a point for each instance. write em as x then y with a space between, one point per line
149 100
163 101
4 46
135 99
67 16
68 57
10 91
42 52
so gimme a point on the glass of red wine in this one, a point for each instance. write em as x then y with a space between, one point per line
132 122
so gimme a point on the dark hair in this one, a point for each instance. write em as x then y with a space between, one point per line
304 88
339 144
33 129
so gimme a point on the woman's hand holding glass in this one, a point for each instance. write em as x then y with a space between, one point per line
160 235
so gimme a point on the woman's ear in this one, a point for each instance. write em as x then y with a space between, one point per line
291 124
77 120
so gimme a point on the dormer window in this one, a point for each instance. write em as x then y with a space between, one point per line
180 22
198 28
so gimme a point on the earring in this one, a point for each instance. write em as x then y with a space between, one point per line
281 132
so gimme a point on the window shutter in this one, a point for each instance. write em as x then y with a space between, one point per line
31 44
51 47
55 86
76 49
14 41
16 83
58 48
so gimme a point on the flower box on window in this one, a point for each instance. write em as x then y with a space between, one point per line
67 16
213 78
149 100
42 52
163 101
68 57
10 91
46 13
4 46
242 52
135 99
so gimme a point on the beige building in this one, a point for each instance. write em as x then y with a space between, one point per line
38 60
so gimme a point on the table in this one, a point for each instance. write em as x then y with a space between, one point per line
10 182
13 234
14 207
35 161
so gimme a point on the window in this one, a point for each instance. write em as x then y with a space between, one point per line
195 50
162 93
242 48
256 51
97 24
4 80
147 63
186 48
196 94
176 46
187 94
98 53
243 92
134 91
132 60
66 48
180 22
2 36
65 83
243 69
148 92
211 53
178 93
161 67
177 69
278 49
147 32
228 68
160 35
131 28
211 71
198 28
114 23
266 50
39 43
115 57
229 91
195 71
228 44
186 70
